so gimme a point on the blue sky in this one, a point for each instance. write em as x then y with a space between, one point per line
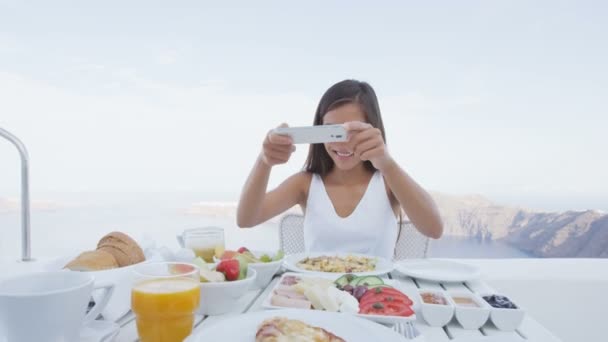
502 98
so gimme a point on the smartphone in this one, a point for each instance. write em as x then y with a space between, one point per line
314 134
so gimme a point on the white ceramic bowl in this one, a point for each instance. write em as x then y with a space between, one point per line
437 315
470 317
265 270
221 298
506 319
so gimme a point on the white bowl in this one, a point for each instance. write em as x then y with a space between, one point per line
221 298
470 317
506 319
437 315
265 270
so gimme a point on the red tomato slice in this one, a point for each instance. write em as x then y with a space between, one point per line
386 309
384 295
386 299
386 290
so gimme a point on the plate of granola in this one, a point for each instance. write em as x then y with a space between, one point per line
338 263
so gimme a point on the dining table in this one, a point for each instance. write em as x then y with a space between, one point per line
529 330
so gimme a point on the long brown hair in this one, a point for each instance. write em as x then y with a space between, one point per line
341 93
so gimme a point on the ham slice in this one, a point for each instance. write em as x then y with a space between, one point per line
289 293
285 287
278 300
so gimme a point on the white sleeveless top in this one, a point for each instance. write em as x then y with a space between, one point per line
371 229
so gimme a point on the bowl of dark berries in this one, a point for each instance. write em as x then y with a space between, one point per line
505 314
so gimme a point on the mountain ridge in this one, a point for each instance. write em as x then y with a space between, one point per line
569 233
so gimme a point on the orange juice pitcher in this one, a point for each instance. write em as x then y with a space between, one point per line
164 300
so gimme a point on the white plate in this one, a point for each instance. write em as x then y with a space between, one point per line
94 331
383 265
99 331
351 329
437 270
413 294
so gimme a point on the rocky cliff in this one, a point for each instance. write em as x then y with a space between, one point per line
543 234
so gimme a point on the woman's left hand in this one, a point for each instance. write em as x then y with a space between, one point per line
367 143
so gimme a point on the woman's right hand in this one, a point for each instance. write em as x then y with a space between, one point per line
277 148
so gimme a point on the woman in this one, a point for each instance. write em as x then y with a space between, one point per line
351 192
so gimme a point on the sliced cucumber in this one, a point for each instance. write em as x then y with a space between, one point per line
355 281
344 280
370 281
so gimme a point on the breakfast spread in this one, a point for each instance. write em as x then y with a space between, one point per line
114 250
336 264
367 295
500 302
433 298
280 329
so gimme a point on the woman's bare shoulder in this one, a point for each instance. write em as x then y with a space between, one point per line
301 181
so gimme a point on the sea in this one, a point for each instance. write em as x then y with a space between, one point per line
67 225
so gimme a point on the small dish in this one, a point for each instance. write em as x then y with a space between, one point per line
220 298
471 311
507 319
436 314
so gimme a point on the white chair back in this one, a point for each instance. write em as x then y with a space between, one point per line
291 234
411 244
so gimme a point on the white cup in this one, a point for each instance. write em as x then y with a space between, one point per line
48 306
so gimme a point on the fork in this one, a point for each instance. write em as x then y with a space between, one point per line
406 329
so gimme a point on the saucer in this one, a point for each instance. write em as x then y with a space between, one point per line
95 331
99 331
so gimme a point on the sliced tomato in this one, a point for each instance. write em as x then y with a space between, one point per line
386 309
384 295
386 299
385 290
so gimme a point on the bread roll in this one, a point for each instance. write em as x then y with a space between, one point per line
92 261
124 249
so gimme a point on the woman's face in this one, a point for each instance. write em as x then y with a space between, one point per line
340 152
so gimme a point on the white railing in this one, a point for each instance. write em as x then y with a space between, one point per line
26 252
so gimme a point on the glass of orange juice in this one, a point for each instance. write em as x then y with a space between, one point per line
205 242
164 298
